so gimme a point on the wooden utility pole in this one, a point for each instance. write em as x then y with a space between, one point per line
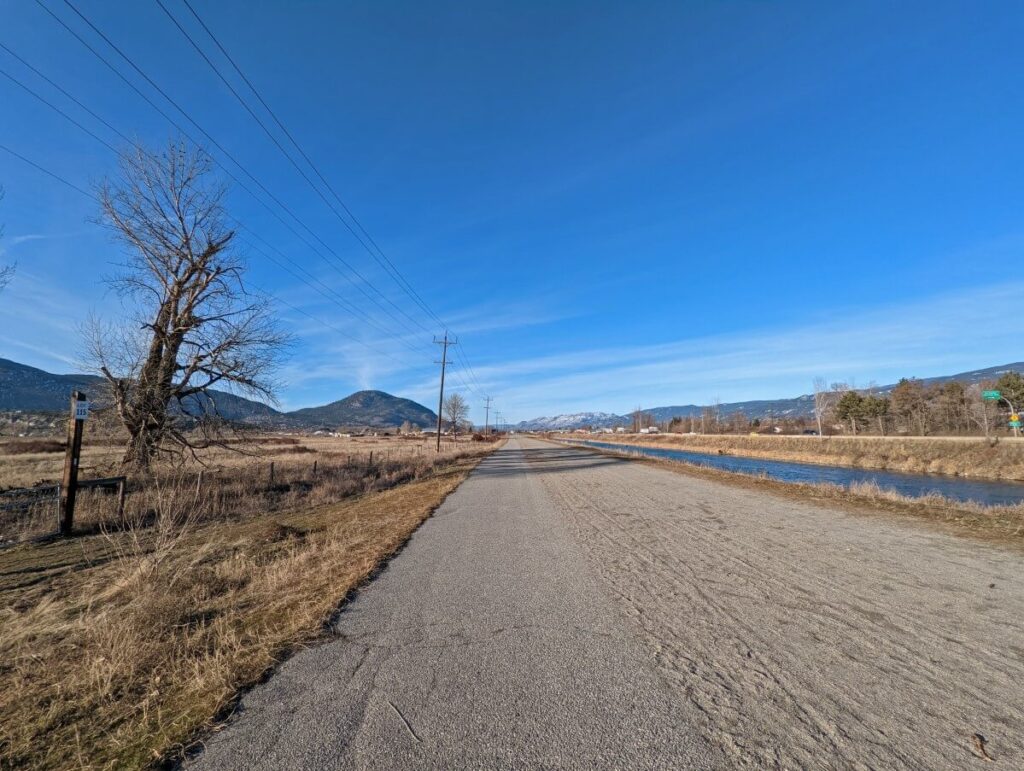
69 487
487 413
444 343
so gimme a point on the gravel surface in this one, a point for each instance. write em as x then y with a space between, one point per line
565 609
808 637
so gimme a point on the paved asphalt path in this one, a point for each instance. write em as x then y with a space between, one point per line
488 642
566 609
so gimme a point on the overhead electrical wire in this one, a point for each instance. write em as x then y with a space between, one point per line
362 280
278 298
280 147
387 263
376 253
337 299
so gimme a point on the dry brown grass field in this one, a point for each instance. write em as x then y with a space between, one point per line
271 473
958 456
28 461
120 645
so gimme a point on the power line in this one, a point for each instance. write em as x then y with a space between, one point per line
57 109
379 255
337 299
396 275
220 147
278 298
279 146
394 272
47 172
62 90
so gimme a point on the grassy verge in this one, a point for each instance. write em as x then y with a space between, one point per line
997 523
956 456
116 650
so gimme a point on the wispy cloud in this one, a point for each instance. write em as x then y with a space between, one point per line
39 322
28 237
940 334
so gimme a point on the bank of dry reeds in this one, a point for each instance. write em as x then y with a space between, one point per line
958 456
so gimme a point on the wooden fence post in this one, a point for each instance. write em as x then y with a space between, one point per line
271 473
314 469
69 486
120 497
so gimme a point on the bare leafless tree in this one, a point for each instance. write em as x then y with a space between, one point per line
193 324
456 411
822 402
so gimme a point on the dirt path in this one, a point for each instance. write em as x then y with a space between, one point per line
806 637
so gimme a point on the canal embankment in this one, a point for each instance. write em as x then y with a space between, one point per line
975 457
989 509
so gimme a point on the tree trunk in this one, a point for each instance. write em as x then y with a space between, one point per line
141 449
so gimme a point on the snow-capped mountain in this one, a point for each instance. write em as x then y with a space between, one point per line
575 420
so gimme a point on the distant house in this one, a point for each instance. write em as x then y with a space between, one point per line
620 429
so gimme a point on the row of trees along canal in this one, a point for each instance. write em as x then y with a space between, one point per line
912 407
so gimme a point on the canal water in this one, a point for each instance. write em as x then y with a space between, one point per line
986 492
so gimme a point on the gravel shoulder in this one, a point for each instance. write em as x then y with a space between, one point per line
806 636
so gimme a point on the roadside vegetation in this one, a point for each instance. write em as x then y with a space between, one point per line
117 648
910 408
263 474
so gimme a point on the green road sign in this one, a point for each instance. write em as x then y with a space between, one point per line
1014 424
991 396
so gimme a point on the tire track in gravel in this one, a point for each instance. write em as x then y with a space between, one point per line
807 637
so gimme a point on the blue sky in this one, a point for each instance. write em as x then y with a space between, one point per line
611 204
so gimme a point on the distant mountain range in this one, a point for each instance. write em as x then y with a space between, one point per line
574 420
799 406
29 389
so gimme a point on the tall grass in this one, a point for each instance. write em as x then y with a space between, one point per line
231 491
120 662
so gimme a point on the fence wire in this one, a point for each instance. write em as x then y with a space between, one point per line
28 511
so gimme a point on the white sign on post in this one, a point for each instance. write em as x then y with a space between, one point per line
81 410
